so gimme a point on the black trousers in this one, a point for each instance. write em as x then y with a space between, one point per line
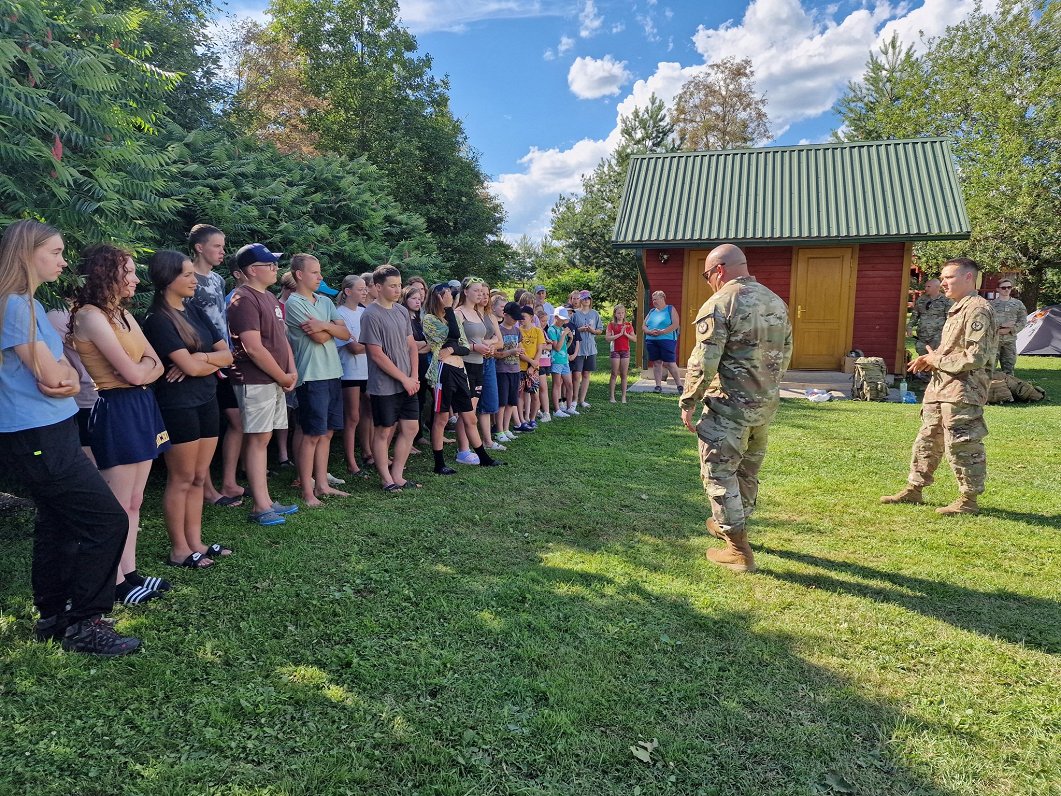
81 527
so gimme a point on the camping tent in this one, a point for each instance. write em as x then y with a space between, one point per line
1042 335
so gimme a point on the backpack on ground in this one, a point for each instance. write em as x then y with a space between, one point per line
1024 391
867 383
998 391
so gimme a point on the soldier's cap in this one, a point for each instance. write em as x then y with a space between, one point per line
560 313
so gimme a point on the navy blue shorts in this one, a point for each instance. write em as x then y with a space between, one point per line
508 389
320 406
126 427
660 350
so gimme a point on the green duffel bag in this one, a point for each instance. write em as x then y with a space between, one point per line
1024 391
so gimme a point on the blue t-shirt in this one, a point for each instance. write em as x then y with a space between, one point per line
660 319
22 405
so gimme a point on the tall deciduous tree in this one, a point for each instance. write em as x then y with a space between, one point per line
992 83
720 108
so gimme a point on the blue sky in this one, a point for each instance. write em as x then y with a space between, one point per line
540 84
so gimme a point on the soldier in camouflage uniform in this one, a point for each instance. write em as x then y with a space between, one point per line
952 416
1011 316
743 347
929 315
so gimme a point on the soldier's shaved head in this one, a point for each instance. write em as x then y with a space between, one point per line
727 261
932 287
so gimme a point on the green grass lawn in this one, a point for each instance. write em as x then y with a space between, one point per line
517 631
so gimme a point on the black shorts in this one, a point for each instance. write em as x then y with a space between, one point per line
387 410
226 395
320 407
188 424
508 389
475 378
349 384
456 392
82 426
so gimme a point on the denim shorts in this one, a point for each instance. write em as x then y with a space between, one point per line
562 369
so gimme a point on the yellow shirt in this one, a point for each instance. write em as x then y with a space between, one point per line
530 338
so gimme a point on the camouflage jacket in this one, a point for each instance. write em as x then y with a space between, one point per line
929 315
1011 313
966 349
743 347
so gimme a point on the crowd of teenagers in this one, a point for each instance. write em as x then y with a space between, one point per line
90 397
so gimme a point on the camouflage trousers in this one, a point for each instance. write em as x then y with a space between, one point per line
1007 353
731 455
959 430
927 338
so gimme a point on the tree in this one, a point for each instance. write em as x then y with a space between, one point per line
991 83
79 109
720 109
891 99
583 225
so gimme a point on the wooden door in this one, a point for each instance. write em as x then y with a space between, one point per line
822 306
695 291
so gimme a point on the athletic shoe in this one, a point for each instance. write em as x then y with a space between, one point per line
560 413
584 405
282 510
524 428
496 446
97 637
572 411
467 457
546 418
533 424
333 481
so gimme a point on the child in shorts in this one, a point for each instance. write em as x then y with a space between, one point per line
532 342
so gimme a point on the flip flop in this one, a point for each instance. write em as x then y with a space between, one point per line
409 485
215 550
392 488
228 501
194 561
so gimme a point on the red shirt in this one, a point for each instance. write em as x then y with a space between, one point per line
620 343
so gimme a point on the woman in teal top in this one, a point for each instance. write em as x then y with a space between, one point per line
661 339
80 528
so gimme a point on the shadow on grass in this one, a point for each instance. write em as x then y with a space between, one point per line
1016 618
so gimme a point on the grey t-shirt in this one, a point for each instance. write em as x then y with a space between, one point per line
587 343
210 298
390 330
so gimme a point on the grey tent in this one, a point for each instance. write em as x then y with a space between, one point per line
1042 336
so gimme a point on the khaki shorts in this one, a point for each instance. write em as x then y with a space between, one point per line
262 407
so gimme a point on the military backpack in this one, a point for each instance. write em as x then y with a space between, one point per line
868 382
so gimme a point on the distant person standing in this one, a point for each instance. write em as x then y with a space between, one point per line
743 347
928 317
1011 316
661 339
952 415
589 324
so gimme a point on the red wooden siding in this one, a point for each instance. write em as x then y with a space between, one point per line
880 279
666 276
772 266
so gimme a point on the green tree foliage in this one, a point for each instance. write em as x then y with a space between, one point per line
991 83
79 104
583 224
385 103
337 208
720 109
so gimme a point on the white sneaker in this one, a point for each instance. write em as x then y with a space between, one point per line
496 446
572 411
502 437
333 481
545 418
560 413
467 457
584 405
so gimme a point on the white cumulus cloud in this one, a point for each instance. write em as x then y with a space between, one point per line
591 78
590 21
803 60
565 45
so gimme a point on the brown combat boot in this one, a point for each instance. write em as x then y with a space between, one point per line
714 530
736 555
965 504
909 494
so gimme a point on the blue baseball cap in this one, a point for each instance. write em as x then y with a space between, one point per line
326 290
255 253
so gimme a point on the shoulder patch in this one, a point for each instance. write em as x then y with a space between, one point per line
976 326
702 327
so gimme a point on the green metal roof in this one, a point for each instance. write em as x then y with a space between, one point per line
863 191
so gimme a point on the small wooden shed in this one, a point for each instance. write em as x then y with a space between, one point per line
828 227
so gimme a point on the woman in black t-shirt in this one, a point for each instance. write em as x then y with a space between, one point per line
192 351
